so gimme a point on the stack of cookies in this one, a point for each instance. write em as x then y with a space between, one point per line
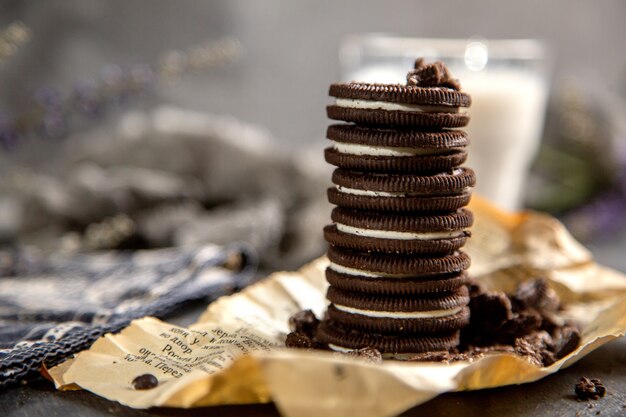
397 277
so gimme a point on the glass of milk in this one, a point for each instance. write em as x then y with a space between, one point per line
509 86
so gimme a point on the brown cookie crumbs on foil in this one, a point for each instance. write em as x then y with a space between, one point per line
304 322
434 74
499 322
589 389
527 321
298 340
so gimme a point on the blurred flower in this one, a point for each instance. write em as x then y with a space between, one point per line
580 171
117 85
11 38
8 136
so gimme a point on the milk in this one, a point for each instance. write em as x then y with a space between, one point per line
507 113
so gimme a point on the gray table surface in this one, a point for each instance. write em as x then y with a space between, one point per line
551 396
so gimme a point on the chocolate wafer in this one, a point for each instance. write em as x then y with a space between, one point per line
344 339
395 138
393 233
399 304
399 164
395 266
393 286
396 323
379 117
403 94
445 183
405 204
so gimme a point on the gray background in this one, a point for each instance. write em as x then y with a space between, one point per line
291 46
291 53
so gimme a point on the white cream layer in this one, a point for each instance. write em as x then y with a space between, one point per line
356 149
356 191
339 348
385 105
400 314
389 234
369 274
370 193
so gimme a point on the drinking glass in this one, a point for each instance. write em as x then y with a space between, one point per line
507 80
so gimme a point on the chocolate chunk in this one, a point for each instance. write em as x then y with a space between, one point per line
475 288
298 340
537 346
567 340
368 353
589 389
435 74
489 311
551 322
538 295
304 322
145 381
519 325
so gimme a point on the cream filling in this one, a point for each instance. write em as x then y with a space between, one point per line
339 348
369 193
385 105
369 274
388 234
356 149
400 314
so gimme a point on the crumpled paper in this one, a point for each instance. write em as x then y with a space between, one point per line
233 353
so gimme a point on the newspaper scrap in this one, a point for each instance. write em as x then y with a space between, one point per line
235 353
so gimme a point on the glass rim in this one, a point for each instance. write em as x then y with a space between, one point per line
385 44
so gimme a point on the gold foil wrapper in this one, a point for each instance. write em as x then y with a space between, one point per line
235 352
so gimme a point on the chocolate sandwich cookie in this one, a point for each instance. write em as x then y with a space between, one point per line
388 150
393 233
398 105
401 345
416 163
434 313
387 115
398 138
394 286
453 182
447 191
375 265
430 98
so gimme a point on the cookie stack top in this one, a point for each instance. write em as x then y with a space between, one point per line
396 273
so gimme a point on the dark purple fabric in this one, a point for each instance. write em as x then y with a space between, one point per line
52 307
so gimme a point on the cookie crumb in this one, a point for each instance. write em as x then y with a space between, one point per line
298 340
368 353
145 381
304 322
589 389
